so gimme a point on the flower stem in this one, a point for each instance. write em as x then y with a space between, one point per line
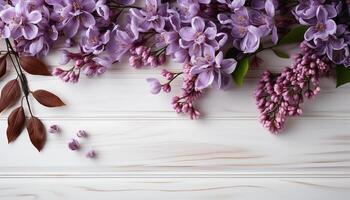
19 71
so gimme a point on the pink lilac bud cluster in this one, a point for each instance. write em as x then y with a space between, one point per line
281 96
85 63
185 102
143 56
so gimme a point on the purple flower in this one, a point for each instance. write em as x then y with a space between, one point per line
265 23
93 41
246 37
74 145
213 70
76 13
102 9
54 129
233 4
323 26
306 11
82 134
188 10
121 41
21 21
150 17
195 37
155 85
91 154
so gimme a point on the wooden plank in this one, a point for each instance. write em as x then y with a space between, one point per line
174 188
217 147
128 96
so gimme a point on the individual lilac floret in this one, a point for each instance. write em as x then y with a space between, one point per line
213 70
54 129
82 134
77 14
93 41
246 36
21 20
74 145
155 85
91 154
195 37
323 27
151 17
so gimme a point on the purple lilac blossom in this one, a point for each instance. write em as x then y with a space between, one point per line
281 96
213 70
21 21
74 145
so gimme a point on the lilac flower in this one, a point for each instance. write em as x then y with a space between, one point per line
306 11
265 23
91 154
102 9
213 70
76 13
195 37
323 26
233 4
82 134
155 85
54 129
188 10
93 41
151 17
185 102
281 96
21 21
74 145
121 41
246 36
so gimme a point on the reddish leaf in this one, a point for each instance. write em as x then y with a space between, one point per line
34 66
47 99
3 65
37 132
15 122
9 94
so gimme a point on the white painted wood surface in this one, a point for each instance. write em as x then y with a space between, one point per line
146 151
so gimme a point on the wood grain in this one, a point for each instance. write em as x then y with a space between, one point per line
175 188
147 151
309 146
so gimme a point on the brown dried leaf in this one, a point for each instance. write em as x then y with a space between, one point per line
3 65
47 99
37 132
9 94
15 122
34 66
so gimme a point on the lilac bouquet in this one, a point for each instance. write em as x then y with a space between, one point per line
215 41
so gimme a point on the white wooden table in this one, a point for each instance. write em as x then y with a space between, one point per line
146 151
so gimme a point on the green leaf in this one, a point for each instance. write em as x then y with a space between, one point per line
343 75
241 71
280 53
296 35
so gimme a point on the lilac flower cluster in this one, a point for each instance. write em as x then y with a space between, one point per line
281 96
95 34
328 31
